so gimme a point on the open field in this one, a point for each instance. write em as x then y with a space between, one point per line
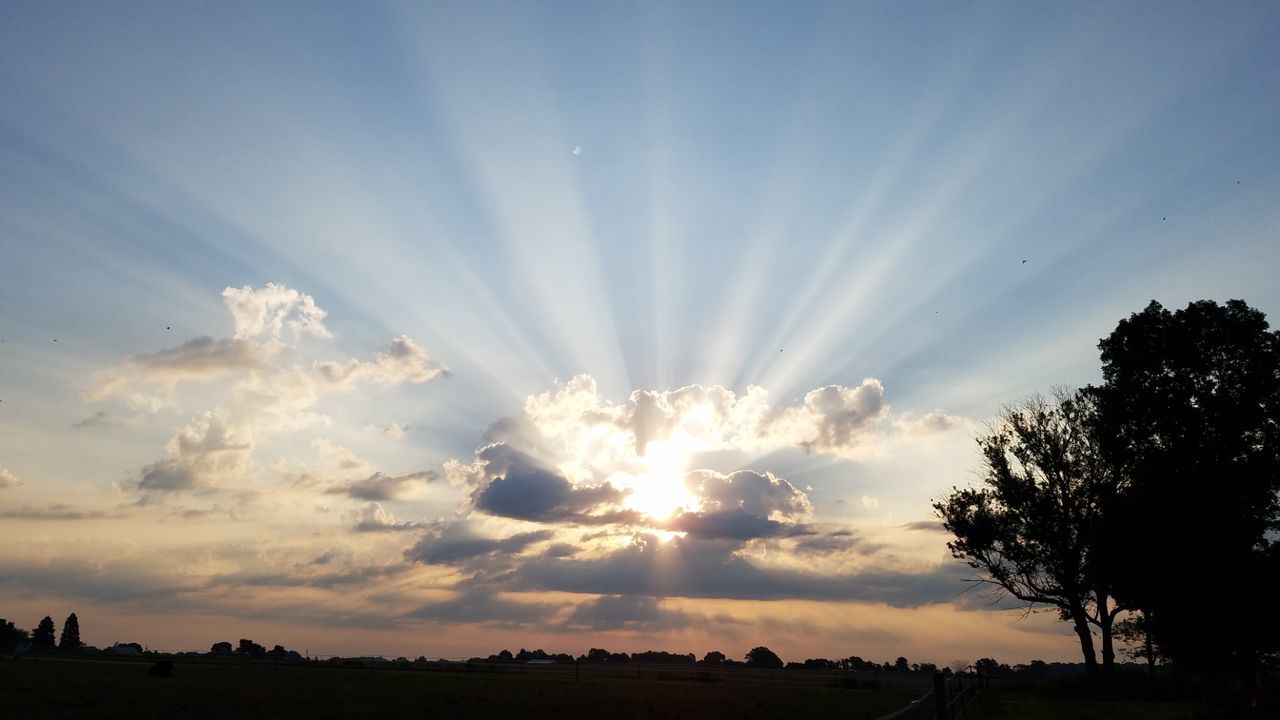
64 688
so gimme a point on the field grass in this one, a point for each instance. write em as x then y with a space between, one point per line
74 688
1003 704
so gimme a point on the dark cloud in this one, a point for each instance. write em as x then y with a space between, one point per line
711 569
626 612
200 357
98 419
925 525
454 543
559 550
544 496
58 511
734 524
485 608
379 486
830 543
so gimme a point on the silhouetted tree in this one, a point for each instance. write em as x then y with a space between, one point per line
1192 403
763 657
901 665
986 666
70 638
42 638
221 648
249 648
1135 632
1036 527
597 655
715 657
10 636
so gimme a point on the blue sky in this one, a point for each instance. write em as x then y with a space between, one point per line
654 196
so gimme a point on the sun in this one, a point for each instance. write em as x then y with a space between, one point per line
658 490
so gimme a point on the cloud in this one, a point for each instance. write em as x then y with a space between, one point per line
58 511
267 311
870 502
832 417
374 518
712 569
8 479
201 358
935 421
507 482
380 486
403 361
480 607
98 419
741 506
208 452
924 525
626 612
830 543
456 542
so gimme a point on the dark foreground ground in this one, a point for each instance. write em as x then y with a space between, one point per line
74 688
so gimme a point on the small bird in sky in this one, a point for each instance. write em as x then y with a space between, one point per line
1163 219
1024 261
577 150
166 327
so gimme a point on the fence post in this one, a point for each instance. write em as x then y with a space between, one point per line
940 696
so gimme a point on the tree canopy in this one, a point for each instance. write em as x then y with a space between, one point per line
70 638
1191 400
1035 524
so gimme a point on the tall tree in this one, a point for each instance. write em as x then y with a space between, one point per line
10 635
70 638
43 636
1192 403
1036 525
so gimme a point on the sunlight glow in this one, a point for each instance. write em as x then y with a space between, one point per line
659 490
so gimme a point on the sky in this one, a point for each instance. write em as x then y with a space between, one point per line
441 328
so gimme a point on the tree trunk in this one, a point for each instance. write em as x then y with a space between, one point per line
1108 648
1086 644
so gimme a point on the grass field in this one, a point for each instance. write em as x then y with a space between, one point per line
66 688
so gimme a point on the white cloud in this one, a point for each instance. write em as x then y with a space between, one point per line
870 502
935 421
267 311
403 361
209 452
8 479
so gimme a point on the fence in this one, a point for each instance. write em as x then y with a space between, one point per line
957 697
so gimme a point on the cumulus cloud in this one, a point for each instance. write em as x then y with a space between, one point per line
267 311
209 452
380 486
8 479
404 361
452 543
509 483
741 506
870 502
374 518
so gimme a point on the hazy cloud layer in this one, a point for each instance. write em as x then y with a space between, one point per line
58 511
456 542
